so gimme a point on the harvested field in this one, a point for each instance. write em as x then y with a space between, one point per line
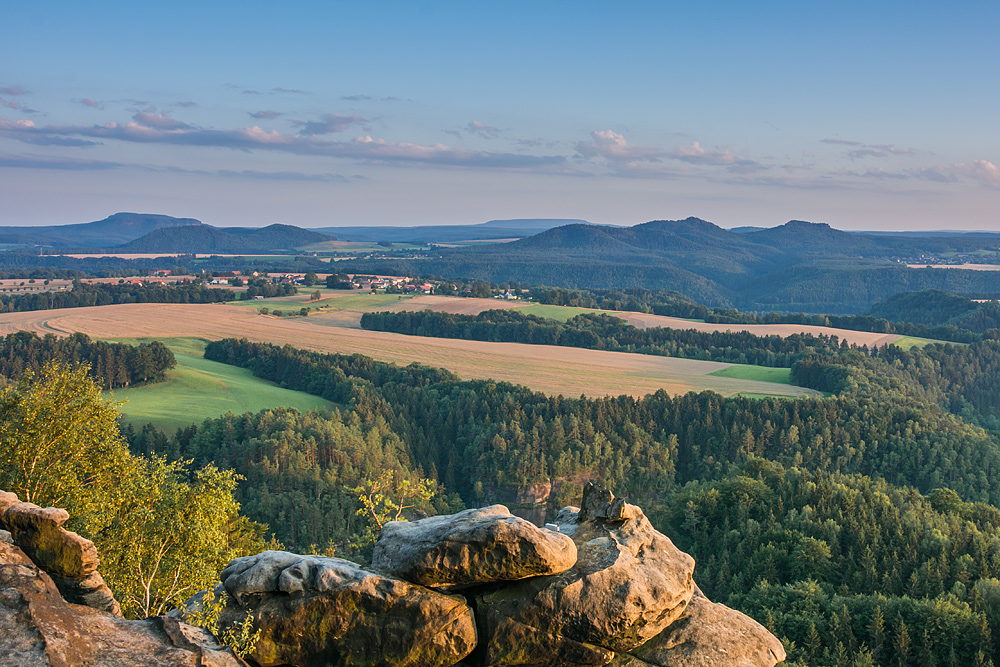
467 306
454 304
554 370
646 321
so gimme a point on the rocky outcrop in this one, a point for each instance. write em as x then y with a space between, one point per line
629 583
314 611
38 627
603 588
477 546
71 560
618 593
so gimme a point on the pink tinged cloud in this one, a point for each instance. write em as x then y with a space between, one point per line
983 171
246 139
13 90
483 130
612 146
16 106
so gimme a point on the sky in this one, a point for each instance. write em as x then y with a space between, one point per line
862 115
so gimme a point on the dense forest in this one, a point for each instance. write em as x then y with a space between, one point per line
111 365
937 308
861 528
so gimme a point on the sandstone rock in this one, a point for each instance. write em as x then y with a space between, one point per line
711 635
629 583
472 547
39 533
71 560
38 627
90 591
6 500
314 611
600 503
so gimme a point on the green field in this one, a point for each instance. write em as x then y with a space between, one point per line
560 313
760 373
906 342
198 389
348 301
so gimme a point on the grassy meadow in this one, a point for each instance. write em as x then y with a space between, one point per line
757 373
560 313
198 389
331 300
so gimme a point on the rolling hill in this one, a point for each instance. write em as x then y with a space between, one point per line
492 230
112 231
233 240
797 266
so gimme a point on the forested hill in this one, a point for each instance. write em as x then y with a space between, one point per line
798 266
939 308
206 239
113 230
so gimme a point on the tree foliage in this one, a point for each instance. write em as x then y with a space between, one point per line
163 532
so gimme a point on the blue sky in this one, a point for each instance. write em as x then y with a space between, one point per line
863 115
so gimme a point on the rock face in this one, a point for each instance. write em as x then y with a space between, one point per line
629 583
70 559
316 611
38 627
476 546
709 635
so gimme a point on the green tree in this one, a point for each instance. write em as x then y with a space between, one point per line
385 499
162 532
59 440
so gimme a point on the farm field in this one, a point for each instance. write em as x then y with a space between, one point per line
553 370
198 389
333 299
645 321
469 306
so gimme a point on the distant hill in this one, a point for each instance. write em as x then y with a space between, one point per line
797 266
232 240
112 231
487 231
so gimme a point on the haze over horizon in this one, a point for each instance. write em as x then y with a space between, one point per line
863 117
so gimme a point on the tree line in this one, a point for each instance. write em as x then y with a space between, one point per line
106 294
604 332
111 365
